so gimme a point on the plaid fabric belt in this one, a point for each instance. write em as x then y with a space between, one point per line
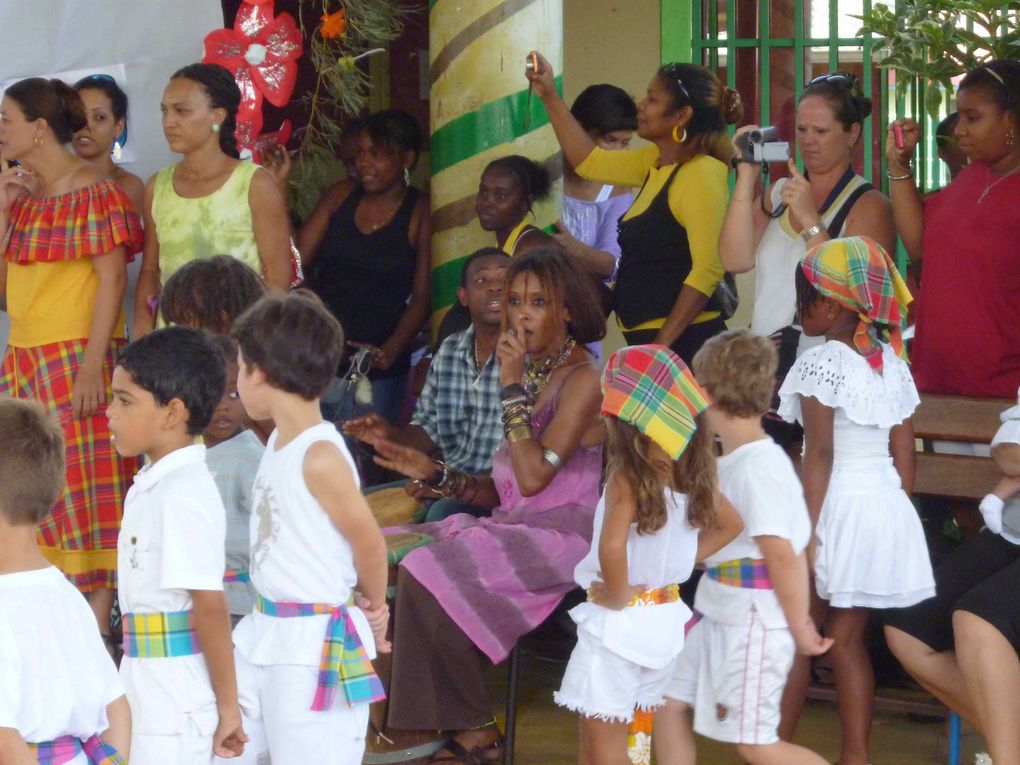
237 575
668 594
160 635
66 748
748 573
344 663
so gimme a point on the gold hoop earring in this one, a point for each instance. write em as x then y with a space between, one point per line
1011 137
37 140
679 138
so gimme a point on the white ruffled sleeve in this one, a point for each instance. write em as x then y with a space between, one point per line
839 377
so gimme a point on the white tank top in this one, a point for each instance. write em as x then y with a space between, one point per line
297 556
779 253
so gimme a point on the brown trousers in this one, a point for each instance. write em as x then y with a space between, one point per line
438 676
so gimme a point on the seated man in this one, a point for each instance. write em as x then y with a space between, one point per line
457 417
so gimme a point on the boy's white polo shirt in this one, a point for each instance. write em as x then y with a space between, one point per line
171 541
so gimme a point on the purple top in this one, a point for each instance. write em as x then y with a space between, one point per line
594 223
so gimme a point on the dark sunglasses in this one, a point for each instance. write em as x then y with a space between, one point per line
839 79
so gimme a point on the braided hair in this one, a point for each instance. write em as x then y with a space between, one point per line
223 93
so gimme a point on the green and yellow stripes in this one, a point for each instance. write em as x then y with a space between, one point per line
479 102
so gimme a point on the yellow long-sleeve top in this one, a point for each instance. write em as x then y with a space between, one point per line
697 199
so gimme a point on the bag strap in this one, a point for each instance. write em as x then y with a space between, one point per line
836 224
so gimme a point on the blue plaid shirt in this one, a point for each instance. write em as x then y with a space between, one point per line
459 408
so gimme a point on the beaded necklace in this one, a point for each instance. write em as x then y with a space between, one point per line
537 375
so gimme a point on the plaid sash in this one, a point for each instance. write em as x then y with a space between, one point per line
344 662
160 635
237 575
66 748
668 594
748 573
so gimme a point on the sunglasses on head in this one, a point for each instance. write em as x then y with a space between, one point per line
671 70
839 79
101 78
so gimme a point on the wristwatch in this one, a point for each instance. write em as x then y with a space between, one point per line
809 233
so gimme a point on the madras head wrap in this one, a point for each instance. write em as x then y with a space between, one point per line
859 274
652 389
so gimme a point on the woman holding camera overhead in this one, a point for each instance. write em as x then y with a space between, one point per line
669 264
773 233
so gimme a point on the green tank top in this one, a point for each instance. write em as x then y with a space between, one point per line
217 224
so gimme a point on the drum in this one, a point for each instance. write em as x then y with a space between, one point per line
384 745
392 507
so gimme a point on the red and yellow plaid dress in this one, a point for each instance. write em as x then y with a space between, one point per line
51 297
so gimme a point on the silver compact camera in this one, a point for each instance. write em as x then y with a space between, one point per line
762 145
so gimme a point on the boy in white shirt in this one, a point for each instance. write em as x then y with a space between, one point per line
232 454
754 594
303 656
178 666
60 697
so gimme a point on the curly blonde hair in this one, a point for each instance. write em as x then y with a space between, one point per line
738 370
629 453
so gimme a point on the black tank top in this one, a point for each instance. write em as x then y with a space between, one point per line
655 258
366 279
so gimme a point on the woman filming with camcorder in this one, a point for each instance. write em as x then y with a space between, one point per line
771 229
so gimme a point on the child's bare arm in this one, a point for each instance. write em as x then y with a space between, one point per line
818 453
904 453
212 625
118 735
727 526
331 481
789 577
14 750
621 508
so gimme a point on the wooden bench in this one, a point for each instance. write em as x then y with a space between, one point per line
957 478
962 420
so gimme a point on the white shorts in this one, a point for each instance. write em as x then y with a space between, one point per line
599 683
276 701
733 678
189 747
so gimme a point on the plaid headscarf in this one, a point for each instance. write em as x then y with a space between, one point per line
652 389
860 275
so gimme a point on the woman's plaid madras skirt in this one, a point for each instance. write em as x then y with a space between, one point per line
80 537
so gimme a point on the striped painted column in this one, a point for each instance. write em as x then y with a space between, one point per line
479 111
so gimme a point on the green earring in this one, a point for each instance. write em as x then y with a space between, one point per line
216 127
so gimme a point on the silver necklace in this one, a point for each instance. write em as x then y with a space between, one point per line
990 184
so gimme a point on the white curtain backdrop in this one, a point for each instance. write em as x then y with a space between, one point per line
150 39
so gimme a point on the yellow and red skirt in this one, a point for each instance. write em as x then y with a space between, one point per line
80 537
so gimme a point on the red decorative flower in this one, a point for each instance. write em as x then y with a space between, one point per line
261 52
257 144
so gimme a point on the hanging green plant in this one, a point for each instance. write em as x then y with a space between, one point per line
347 32
937 40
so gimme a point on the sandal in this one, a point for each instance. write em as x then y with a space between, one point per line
477 755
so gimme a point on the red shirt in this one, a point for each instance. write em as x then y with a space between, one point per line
968 320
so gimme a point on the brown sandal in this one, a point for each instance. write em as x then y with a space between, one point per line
477 755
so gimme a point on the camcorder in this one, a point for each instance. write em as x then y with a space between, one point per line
762 145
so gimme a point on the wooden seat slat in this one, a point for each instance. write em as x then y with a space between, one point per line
957 418
954 477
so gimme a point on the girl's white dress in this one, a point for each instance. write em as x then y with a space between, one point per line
871 547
